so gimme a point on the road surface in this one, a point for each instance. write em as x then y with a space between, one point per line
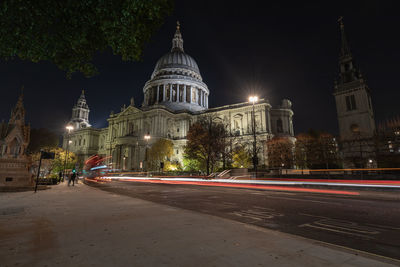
370 224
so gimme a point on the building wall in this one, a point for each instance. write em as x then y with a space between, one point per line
362 116
123 140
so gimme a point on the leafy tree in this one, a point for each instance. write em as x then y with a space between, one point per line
172 166
192 165
54 166
205 141
41 138
316 150
160 151
69 33
280 152
241 157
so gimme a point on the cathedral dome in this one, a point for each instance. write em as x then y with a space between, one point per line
176 81
175 62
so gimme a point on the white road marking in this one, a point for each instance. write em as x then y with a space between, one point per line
334 230
306 200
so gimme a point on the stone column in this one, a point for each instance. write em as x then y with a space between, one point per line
163 88
170 93
184 93
178 89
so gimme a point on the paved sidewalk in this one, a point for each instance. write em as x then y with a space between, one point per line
83 226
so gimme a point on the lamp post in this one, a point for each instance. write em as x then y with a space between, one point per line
253 100
69 129
147 138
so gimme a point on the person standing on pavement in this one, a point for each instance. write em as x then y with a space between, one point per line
73 176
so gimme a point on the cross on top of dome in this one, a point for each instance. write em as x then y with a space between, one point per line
177 41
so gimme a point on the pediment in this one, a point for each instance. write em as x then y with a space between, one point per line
130 110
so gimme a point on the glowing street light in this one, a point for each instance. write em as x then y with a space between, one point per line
147 138
253 100
69 128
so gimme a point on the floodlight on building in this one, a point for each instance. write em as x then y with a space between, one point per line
253 99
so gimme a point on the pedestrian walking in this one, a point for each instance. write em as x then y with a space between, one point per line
60 176
72 178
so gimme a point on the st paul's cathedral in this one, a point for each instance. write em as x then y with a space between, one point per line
174 98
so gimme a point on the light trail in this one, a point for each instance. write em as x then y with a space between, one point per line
228 183
330 182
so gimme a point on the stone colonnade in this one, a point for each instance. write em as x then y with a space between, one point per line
176 92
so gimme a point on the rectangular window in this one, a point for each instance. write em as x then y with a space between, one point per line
160 93
348 105
181 89
174 92
193 95
199 97
351 102
168 91
154 95
187 93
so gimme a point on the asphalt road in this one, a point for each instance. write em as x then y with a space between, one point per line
368 224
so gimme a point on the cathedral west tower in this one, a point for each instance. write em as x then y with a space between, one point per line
80 113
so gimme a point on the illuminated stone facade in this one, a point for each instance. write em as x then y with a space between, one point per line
14 140
174 98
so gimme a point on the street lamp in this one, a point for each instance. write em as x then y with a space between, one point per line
253 100
69 129
147 138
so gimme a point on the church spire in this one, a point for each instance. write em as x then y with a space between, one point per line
18 113
345 49
348 72
177 41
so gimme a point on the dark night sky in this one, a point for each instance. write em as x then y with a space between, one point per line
280 51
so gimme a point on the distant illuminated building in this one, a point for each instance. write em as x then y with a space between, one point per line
174 97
